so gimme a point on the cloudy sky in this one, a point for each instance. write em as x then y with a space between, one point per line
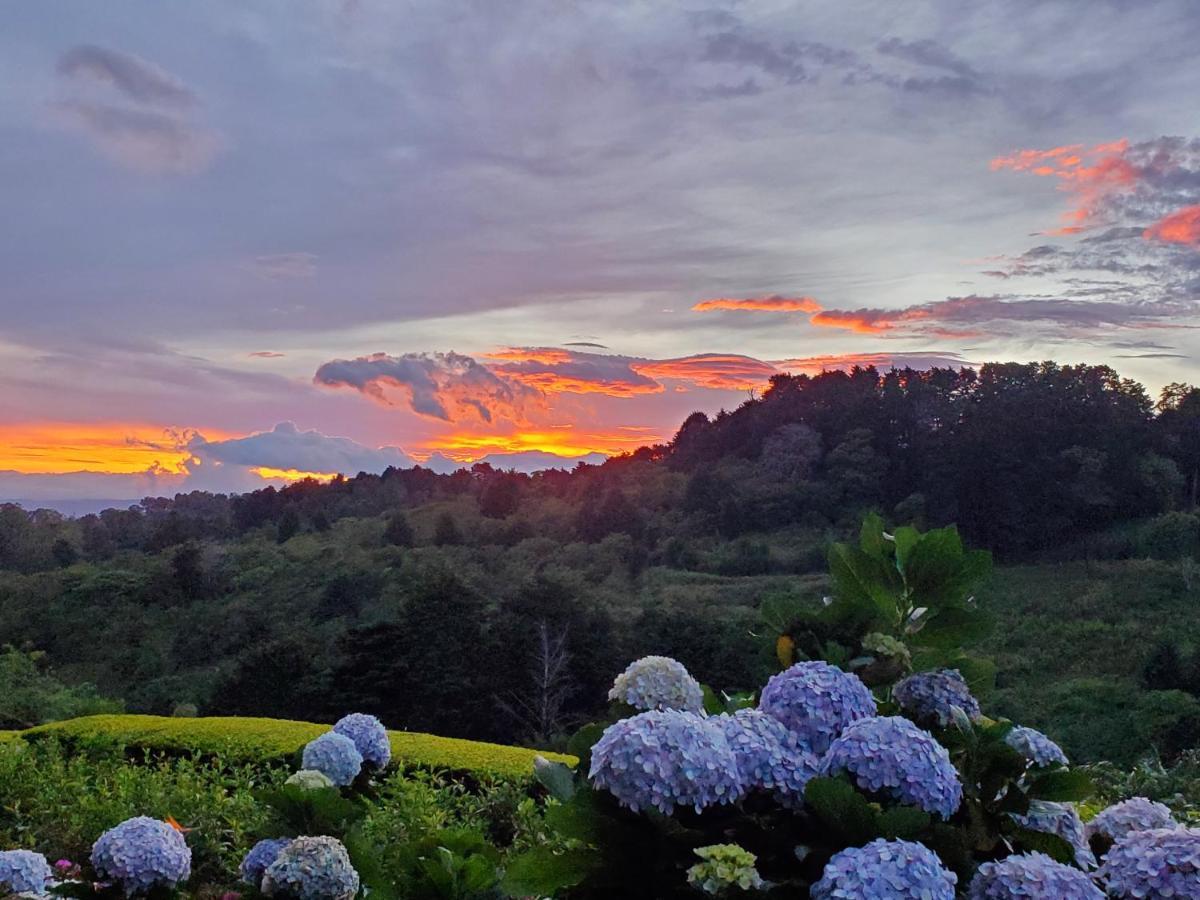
247 240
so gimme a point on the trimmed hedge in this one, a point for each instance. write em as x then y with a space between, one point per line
240 739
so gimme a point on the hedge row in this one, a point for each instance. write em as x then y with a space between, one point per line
253 740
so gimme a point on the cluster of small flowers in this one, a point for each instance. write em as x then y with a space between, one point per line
311 868
1035 747
142 854
891 755
724 867
768 755
902 870
1027 875
666 758
1161 862
1135 814
23 872
930 697
816 701
341 753
260 857
1061 820
658 682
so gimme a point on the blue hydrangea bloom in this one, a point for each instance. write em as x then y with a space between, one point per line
817 701
1162 862
658 682
312 868
666 758
1031 876
23 872
369 736
1035 746
141 854
335 756
1062 820
895 870
768 755
261 856
891 755
1135 814
928 697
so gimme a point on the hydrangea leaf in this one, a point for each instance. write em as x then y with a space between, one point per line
543 873
558 778
904 822
1051 844
1063 786
843 810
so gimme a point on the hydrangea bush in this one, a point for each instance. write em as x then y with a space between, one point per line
261 856
898 870
930 698
335 756
23 872
1031 875
816 701
891 755
1161 862
1038 749
662 759
724 867
369 736
658 682
1134 814
312 868
141 855
768 755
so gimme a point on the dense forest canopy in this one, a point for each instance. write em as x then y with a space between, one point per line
466 603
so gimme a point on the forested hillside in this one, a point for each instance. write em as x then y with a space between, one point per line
494 605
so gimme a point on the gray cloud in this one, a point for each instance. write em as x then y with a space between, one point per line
286 265
287 447
147 141
145 124
130 75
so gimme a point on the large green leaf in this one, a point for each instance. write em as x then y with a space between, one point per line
903 822
542 873
558 778
870 538
1050 844
843 810
953 627
906 537
858 577
1063 786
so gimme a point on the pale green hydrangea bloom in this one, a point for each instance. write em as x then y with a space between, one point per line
724 866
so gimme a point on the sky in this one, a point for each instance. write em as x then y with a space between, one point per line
244 242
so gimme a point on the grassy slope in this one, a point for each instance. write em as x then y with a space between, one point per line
1070 641
257 740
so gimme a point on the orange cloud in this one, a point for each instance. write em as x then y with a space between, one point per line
43 448
868 321
1180 227
1091 174
719 372
773 303
564 440
268 474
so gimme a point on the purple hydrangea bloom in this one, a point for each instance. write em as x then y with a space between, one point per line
1062 820
23 872
141 854
896 870
1135 814
312 868
664 759
1030 876
1162 862
369 736
335 756
1035 747
658 682
891 755
768 755
261 856
817 701
928 697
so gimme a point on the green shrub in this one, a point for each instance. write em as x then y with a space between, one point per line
250 740
1171 536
